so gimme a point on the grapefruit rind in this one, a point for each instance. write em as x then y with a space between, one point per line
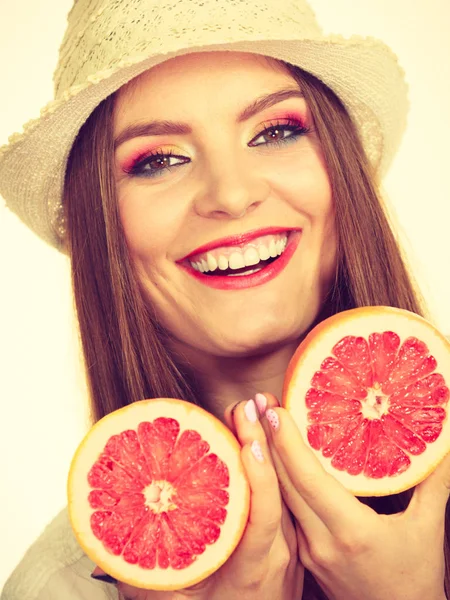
221 442
318 345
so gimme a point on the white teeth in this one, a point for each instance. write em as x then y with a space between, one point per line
212 262
251 257
223 263
238 260
246 272
264 253
273 249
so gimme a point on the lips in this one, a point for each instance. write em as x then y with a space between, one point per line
254 277
237 257
239 240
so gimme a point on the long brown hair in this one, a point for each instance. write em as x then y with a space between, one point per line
126 350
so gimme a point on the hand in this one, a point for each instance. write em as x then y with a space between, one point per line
352 551
265 564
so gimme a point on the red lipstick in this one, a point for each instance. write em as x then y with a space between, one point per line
236 240
272 270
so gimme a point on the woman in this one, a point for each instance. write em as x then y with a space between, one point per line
149 178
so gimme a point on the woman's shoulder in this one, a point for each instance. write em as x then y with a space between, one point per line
55 567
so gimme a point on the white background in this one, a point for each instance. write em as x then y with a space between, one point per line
41 385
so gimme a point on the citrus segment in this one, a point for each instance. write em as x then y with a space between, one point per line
369 390
157 494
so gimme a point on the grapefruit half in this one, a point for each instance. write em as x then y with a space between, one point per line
369 389
157 494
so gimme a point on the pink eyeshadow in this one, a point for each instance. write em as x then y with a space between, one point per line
288 116
140 153
136 156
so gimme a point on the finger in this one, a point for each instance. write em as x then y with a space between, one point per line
266 513
311 524
303 546
249 431
431 495
336 507
265 505
247 422
262 401
228 415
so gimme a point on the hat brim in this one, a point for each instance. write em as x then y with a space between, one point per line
363 72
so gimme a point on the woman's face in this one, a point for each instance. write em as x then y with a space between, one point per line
233 171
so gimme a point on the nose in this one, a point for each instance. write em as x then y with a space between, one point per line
230 188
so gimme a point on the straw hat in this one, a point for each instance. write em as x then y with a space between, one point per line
109 42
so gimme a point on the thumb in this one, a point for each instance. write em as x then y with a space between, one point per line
431 495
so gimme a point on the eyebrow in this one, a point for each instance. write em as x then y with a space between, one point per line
179 128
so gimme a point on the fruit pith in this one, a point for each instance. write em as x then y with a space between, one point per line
158 497
369 391
375 401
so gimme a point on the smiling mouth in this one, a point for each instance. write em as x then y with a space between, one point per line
241 267
235 261
244 270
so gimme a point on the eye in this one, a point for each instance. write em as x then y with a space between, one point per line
276 132
155 163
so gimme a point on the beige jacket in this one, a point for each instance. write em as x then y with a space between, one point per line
55 568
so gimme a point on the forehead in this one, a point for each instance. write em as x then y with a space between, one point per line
198 79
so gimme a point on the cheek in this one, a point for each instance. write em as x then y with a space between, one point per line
314 193
303 180
313 198
147 223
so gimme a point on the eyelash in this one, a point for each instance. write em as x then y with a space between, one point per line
137 169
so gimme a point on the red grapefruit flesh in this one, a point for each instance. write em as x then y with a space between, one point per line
369 389
158 497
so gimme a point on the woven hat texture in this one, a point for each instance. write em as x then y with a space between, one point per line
109 42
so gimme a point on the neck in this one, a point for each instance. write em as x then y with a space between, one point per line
224 381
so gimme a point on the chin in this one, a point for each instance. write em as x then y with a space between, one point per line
261 340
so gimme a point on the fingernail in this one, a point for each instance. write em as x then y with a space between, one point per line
250 411
261 403
105 578
273 419
257 451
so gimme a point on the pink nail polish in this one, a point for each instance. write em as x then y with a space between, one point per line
250 411
257 451
261 403
273 419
